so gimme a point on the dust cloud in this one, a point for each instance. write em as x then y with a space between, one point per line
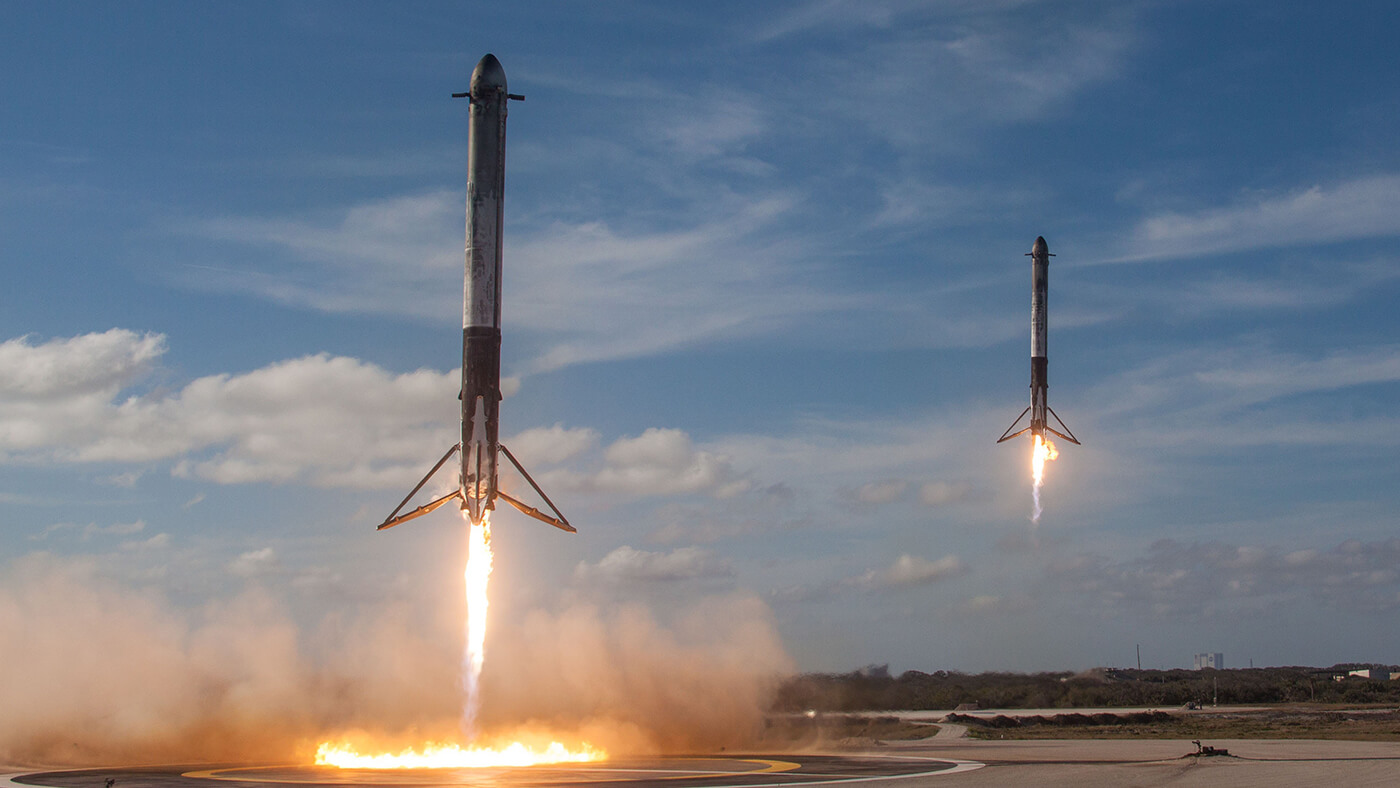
95 673
628 683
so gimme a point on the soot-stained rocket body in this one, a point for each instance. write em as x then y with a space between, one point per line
1039 410
480 447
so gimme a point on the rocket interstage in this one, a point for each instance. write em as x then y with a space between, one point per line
478 484
1042 448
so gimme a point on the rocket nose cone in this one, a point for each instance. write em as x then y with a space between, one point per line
488 75
1040 247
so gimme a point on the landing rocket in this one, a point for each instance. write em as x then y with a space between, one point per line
480 446
1039 410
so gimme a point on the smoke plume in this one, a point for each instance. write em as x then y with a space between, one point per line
103 673
633 684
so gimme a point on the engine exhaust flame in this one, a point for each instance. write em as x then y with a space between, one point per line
1043 451
478 577
437 755
452 756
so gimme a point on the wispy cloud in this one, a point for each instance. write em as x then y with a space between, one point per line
982 606
382 256
122 529
595 293
160 541
710 225
939 71
821 452
90 530
1247 396
1302 286
587 291
718 127
1203 580
907 572
1315 214
126 479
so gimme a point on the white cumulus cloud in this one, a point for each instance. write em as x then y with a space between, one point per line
881 492
660 462
324 420
943 493
253 562
551 444
628 564
910 571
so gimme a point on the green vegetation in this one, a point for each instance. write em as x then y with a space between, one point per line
875 690
1274 723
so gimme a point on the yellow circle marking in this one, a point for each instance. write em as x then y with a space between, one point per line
219 774
769 767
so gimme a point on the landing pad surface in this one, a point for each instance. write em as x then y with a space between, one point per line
747 771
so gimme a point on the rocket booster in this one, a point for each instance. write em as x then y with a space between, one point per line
477 481
1039 410
481 298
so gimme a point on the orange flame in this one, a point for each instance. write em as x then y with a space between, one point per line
438 755
451 756
478 578
1042 452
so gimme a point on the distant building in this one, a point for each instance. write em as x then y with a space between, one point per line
1367 673
1214 661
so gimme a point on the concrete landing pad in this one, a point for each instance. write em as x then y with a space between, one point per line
747 771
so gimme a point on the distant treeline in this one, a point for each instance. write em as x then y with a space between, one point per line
874 689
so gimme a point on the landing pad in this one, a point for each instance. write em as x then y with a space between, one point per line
747 771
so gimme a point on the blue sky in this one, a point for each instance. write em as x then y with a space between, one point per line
766 313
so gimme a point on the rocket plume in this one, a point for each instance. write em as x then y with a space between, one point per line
1040 411
438 755
452 756
1043 451
478 577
